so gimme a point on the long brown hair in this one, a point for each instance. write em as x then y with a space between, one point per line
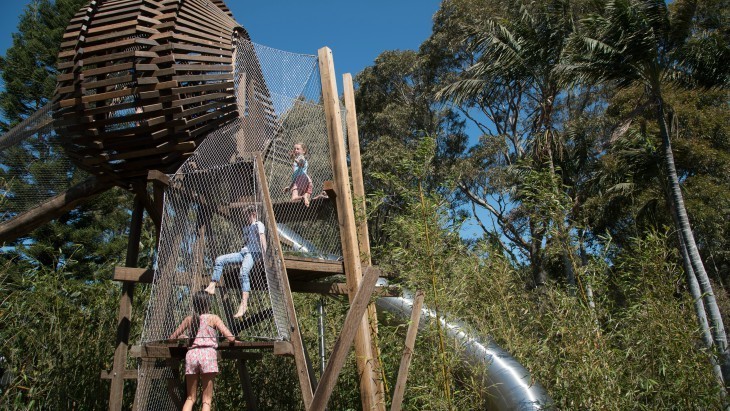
201 305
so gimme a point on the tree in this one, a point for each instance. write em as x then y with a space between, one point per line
396 113
494 63
644 42
86 238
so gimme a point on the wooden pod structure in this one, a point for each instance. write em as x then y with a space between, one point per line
141 83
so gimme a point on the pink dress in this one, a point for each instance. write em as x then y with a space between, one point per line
201 357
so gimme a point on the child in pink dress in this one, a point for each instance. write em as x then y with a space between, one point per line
201 362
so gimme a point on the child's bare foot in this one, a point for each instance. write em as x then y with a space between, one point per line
323 194
210 289
241 309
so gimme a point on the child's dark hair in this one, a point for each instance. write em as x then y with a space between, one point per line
251 210
201 302
201 305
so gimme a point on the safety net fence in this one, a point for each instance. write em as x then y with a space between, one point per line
218 243
33 165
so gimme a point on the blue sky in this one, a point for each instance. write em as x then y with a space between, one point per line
356 31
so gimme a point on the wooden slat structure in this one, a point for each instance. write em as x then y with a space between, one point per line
142 82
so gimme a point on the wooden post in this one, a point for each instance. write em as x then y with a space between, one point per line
346 221
363 238
405 362
116 393
246 384
339 352
296 338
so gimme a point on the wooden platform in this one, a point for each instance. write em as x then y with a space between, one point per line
226 350
299 269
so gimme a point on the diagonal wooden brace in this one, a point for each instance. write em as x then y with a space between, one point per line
344 341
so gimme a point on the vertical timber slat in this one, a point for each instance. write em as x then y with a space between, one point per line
296 338
346 221
344 341
405 362
245 378
116 392
358 190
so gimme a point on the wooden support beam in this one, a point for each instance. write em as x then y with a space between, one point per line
127 375
133 274
52 208
363 239
140 189
245 378
405 362
295 336
124 323
159 177
226 350
351 326
346 221
335 288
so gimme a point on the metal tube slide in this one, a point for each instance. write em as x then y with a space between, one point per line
507 383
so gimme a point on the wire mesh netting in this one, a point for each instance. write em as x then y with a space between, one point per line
211 231
33 165
280 139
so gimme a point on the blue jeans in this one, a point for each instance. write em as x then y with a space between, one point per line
246 259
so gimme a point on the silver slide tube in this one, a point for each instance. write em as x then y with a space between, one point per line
507 384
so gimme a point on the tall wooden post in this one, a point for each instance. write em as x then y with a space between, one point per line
358 190
116 393
346 221
300 354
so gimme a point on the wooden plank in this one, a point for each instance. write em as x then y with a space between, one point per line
295 336
132 274
363 239
336 289
124 322
158 176
329 267
52 208
245 378
127 375
348 228
227 350
351 326
405 362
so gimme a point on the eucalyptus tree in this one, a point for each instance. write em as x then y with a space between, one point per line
396 113
494 61
650 44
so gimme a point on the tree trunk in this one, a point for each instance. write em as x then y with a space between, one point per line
694 290
692 255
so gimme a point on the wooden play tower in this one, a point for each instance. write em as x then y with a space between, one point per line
142 86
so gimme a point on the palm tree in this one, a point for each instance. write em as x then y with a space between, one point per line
645 43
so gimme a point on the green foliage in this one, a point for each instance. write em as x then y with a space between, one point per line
57 335
29 67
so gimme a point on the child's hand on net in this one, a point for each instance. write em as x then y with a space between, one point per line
286 189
